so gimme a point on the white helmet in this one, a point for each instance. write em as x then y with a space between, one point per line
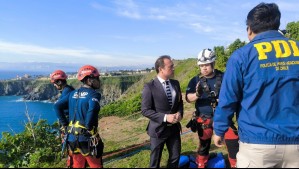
206 56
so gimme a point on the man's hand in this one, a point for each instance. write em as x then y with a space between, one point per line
178 116
171 118
174 118
217 141
199 90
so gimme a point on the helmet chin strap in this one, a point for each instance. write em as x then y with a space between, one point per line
213 66
90 84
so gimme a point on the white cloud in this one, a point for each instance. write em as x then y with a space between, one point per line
199 28
28 52
128 9
28 49
186 15
97 6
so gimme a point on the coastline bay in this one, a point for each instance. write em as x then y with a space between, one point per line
13 113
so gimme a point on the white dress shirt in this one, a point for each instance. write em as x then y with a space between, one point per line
173 93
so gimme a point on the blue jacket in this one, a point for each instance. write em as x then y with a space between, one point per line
261 83
65 93
84 106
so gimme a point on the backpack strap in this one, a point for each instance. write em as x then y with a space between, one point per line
214 94
203 83
217 85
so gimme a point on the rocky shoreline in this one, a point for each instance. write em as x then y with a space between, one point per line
41 90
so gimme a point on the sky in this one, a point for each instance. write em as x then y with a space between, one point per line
106 33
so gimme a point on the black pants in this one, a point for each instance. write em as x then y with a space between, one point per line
173 143
204 147
232 147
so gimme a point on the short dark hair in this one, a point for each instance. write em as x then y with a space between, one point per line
160 62
264 17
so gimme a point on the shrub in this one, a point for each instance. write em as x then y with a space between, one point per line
36 146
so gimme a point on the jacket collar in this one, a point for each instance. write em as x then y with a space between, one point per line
162 80
267 34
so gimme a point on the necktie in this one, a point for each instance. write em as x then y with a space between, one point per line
168 93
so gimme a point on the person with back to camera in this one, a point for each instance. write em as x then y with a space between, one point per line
83 139
162 103
203 89
261 83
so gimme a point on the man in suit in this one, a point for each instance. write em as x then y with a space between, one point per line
162 104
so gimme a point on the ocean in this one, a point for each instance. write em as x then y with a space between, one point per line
6 75
13 113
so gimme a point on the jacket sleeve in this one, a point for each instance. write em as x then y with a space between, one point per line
147 106
59 107
91 120
230 95
66 91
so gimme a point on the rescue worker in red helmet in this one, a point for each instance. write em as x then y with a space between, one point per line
59 79
83 139
204 90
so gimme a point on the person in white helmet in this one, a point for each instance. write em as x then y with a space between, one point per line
203 89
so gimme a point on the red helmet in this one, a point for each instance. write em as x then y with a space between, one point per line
87 70
58 75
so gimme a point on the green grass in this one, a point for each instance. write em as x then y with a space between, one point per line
141 159
185 70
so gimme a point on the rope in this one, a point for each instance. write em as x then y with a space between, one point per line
186 132
127 155
138 147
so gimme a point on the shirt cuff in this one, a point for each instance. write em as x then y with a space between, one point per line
165 118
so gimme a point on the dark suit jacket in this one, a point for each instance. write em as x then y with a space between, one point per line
155 105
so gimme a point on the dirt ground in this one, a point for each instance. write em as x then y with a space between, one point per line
117 129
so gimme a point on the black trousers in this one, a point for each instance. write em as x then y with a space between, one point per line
204 148
173 143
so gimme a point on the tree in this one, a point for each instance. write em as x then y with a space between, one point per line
293 30
221 58
234 46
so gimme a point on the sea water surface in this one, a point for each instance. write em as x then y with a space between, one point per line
13 113
7 75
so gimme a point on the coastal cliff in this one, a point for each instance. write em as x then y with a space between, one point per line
111 88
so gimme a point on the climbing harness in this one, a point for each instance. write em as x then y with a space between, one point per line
212 95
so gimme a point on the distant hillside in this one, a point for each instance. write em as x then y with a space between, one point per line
130 101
